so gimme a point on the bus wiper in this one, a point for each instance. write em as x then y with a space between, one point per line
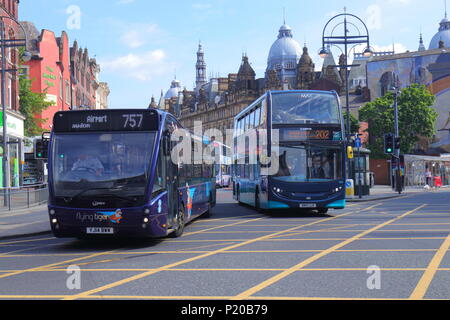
92 189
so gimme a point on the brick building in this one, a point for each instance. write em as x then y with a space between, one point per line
49 70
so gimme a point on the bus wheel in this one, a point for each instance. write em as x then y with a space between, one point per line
257 202
323 210
181 223
208 213
238 195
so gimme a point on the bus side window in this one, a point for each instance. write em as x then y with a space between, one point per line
160 183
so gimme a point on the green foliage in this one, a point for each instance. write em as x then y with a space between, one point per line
31 104
354 123
417 118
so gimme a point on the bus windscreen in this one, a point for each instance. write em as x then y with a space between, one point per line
103 166
305 108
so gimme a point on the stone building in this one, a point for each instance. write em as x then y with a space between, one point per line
428 67
83 76
215 102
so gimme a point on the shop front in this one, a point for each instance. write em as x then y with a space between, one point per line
15 131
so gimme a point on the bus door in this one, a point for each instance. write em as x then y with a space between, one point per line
171 168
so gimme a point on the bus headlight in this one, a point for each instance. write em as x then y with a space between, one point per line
54 221
52 212
146 220
147 211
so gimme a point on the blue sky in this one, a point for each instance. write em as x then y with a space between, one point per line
142 44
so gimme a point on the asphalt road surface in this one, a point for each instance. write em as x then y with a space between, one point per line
391 249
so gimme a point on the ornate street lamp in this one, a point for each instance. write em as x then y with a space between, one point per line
347 38
4 44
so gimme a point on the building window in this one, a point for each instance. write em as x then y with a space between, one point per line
67 92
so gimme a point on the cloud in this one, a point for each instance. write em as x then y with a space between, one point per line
201 6
402 2
143 67
138 35
124 2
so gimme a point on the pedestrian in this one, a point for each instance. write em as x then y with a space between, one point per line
428 177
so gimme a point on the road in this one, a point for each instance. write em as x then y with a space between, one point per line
390 249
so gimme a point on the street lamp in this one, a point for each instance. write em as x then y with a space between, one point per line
4 44
349 21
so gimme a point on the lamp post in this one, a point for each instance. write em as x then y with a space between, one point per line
347 38
4 44
349 20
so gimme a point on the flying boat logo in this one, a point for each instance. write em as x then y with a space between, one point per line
113 216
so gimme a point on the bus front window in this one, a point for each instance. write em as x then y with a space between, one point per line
309 164
96 165
304 108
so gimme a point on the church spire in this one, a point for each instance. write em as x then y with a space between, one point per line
421 45
200 68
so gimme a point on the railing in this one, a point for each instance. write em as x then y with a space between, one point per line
24 197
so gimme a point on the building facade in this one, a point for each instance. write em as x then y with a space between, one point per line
84 81
49 70
14 119
426 67
215 102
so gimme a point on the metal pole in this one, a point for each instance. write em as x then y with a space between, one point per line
346 82
397 150
3 102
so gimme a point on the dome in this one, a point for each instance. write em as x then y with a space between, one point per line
174 90
285 47
443 34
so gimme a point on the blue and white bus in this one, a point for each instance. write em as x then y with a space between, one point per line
111 173
310 151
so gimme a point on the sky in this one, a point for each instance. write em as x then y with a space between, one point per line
142 45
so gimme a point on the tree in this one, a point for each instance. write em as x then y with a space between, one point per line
354 123
417 118
31 104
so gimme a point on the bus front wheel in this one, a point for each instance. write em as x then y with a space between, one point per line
181 223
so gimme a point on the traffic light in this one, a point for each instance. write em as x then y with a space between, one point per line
397 143
41 148
389 143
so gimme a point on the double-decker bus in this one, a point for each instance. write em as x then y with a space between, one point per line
310 152
111 173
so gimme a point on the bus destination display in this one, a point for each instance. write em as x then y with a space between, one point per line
111 120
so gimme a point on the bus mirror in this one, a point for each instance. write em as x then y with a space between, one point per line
350 152
166 144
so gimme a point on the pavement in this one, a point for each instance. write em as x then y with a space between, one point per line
33 221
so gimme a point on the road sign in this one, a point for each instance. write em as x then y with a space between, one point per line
358 143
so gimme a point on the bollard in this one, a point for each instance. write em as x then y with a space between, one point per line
349 189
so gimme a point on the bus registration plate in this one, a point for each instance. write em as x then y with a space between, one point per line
100 231
308 205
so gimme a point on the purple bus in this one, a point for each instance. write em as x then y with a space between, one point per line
111 173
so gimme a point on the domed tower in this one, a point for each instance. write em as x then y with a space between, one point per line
284 56
305 71
442 35
174 90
